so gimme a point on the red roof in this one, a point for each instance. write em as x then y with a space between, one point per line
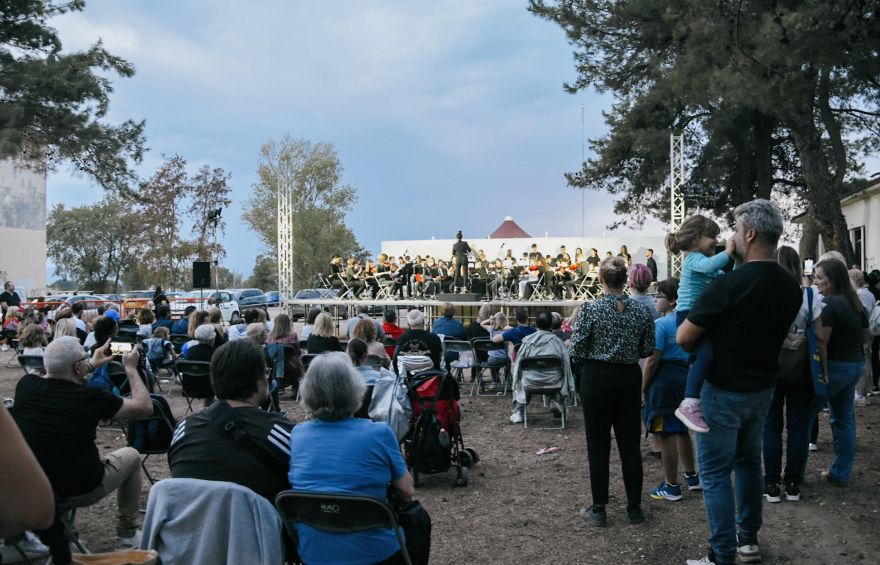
508 229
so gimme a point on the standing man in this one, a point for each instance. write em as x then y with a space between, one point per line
8 298
460 250
652 264
746 315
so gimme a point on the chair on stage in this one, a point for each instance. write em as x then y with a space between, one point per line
586 288
386 287
539 289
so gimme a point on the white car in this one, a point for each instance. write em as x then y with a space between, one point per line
207 299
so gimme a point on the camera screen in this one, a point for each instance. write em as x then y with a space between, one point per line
119 347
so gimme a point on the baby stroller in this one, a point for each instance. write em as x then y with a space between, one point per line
434 443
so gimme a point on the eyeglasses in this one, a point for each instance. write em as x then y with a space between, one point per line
78 361
659 296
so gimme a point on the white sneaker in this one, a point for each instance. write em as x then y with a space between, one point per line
4 347
813 447
749 552
516 417
132 542
861 400
702 561
32 545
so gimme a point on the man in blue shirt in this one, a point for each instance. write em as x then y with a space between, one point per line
522 329
181 326
448 326
163 317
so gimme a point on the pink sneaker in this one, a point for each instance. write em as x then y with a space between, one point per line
691 416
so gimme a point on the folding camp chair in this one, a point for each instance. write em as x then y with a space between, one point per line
178 340
338 513
152 435
32 364
544 363
482 346
539 289
195 381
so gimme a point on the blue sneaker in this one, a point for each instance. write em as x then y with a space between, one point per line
665 491
693 481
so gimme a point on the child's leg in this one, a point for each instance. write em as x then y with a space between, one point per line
702 360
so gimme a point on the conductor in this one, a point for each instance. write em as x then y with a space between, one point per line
460 250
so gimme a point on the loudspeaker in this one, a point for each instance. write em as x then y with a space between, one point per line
201 274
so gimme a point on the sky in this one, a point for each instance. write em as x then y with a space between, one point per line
446 115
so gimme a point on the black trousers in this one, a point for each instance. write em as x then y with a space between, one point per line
460 271
611 397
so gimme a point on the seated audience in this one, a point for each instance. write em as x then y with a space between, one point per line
65 327
366 330
323 336
418 341
364 314
496 325
32 340
365 459
201 449
516 334
145 319
163 317
282 332
203 350
477 327
310 322
257 333
448 326
215 318
541 343
391 329
58 417
239 330
181 326
556 328
160 351
358 351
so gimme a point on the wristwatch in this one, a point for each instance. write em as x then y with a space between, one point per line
89 365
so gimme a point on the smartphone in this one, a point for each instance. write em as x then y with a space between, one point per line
120 347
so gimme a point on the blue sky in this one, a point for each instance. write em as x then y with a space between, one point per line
447 115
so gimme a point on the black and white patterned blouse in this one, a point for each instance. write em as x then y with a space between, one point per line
604 333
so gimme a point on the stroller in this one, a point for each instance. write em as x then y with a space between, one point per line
434 443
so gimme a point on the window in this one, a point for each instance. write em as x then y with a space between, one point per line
857 237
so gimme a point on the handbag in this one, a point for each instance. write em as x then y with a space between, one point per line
415 522
793 359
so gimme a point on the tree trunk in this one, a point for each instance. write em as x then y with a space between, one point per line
809 243
824 200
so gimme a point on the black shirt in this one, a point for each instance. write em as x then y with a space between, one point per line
58 419
747 314
652 266
199 352
320 344
10 298
419 342
591 260
847 325
460 248
198 451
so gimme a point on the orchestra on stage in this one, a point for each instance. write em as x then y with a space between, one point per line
534 276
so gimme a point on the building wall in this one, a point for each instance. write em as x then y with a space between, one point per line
863 210
442 248
23 227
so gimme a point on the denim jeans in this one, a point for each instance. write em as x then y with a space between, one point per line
842 379
733 444
794 400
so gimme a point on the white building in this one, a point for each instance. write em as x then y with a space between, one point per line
23 227
862 212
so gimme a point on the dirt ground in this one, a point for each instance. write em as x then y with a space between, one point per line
522 507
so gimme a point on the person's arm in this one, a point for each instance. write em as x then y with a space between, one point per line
499 337
687 335
702 264
26 499
405 486
139 405
649 369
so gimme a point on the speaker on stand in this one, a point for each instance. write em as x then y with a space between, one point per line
201 274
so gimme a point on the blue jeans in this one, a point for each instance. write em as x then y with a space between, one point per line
843 376
794 400
701 360
733 444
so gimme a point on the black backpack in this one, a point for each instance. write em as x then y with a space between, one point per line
426 451
152 435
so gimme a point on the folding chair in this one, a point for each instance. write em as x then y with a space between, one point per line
152 435
544 363
337 513
539 289
375 361
467 358
32 364
585 289
178 340
195 381
16 348
307 359
482 346
386 287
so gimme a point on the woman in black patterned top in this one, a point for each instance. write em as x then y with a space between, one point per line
610 336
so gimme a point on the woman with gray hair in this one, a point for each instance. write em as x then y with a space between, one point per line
335 452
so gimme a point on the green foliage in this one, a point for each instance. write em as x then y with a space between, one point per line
774 98
265 275
52 104
313 172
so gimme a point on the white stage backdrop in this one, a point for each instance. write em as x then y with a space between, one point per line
442 248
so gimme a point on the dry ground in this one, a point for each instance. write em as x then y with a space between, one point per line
522 507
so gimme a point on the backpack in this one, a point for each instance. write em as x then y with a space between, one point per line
154 433
874 320
426 450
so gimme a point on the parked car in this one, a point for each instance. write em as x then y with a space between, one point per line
207 299
273 298
90 304
137 299
249 298
298 311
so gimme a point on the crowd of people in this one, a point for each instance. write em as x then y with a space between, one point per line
743 346
557 275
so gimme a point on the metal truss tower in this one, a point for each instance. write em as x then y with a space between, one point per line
676 198
285 245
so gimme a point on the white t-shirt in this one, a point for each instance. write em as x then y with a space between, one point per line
800 321
867 300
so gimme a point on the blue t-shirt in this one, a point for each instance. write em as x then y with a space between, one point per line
449 327
355 456
516 335
180 327
665 329
697 271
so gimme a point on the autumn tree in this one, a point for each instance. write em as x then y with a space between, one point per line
54 104
313 172
774 96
